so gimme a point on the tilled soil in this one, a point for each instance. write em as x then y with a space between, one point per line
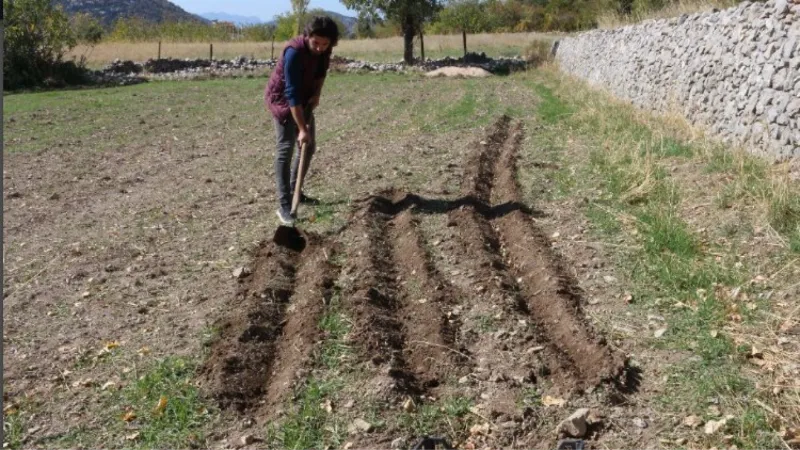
409 314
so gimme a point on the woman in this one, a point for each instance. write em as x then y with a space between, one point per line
291 95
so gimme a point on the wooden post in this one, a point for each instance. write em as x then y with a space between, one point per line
464 37
211 51
422 45
159 49
273 46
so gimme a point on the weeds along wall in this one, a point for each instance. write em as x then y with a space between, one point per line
734 72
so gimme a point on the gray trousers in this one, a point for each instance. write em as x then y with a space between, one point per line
286 135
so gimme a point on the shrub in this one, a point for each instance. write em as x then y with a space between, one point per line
36 37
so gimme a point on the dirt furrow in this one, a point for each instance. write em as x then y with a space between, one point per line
243 353
550 294
372 300
313 289
430 348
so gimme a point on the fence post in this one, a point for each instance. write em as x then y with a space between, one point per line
159 49
464 37
211 51
273 46
422 45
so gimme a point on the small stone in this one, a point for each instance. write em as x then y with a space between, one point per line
609 279
464 379
360 426
660 332
399 443
509 425
782 7
713 426
241 272
575 425
248 439
638 422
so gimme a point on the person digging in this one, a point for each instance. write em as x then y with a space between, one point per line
291 95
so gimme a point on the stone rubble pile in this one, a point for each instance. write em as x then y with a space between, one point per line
129 72
736 72
496 66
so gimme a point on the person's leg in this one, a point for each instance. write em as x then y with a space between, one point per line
310 149
286 135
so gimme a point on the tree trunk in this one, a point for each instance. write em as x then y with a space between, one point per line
408 40
464 38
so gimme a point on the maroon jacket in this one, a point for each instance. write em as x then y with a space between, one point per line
313 77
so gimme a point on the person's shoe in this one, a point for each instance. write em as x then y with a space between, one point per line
308 200
285 216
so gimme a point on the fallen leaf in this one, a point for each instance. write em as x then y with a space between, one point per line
713 426
129 416
347 445
144 351
479 429
408 405
132 437
107 385
328 406
692 421
161 406
112 345
552 401
714 333
660 332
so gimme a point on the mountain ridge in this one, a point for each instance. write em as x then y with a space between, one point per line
108 11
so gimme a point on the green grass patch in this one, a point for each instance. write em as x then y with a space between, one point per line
13 430
309 424
167 407
552 108
438 418
672 148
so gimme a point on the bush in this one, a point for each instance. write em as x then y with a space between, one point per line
36 37
538 52
86 28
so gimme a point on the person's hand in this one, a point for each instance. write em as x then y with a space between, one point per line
314 102
304 137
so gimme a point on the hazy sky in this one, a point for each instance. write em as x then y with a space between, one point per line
263 9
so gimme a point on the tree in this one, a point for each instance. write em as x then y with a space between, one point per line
410 14
466 16
36 37
299 8
364 27
285 23
86 28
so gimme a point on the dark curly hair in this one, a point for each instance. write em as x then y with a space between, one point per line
323 26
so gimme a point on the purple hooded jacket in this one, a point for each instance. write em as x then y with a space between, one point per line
313 77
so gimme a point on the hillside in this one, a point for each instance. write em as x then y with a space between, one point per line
232 18
109 11
349 22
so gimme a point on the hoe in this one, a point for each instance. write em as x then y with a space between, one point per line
290 236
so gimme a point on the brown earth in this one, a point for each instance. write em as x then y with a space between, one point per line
407 314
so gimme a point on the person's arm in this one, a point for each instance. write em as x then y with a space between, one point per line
321 75
293 70
315 99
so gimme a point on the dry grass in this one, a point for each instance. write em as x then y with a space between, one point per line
378 50
762 205
680 7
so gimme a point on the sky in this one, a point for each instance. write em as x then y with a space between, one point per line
263 9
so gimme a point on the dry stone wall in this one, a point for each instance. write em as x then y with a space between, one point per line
735 72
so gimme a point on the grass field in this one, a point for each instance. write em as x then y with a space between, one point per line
449 311
377 50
